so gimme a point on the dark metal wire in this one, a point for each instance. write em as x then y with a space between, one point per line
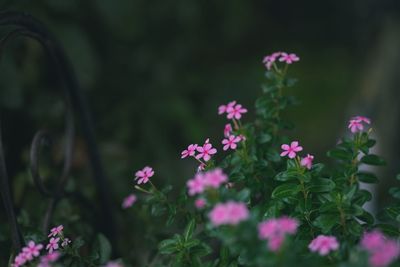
29 27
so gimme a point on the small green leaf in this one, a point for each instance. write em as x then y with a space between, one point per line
326 222
340 154
367 177
264 138
321 185
373 160
104 247
285 190
168 246
190 227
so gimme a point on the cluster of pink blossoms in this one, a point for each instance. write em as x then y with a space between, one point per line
291 151
56 235
382 251
143 176
204 180
287 58
28 253
231 213
129 201
204 152
324 244
356 124
232 110
275 230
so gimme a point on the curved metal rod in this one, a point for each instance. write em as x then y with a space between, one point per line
34 29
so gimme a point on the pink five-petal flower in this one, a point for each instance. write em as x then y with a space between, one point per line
291 150
235 112
206 151
223 108
274 230
362 119
190 151
53 244
142 176
289 58
47 259
270 59
372 241
56 231
231 142
20 259
214 178
32 250
196 185
307 161
129 201
200 203
227 130
230 213
323 244
355 126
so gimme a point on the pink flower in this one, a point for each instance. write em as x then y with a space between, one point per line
53 244
356 123
32 250
289 58
143 175
231 142
270 59
323 244
222 109
275 230
291 150
200 203
206 151
231 213
383 251
190 151
56 231
235 112
214 178
20 260
307 161
129 201
46 259
196 185
113 264
227 129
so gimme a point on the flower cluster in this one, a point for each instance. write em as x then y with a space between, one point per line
230 213
143 176
204 152
323 244
204 180
28 253
287 58
291 151
232 110
49 258
275 230
356 124
56 235
382 251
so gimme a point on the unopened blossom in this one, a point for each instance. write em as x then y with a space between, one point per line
242 137
66 242
200 203
230 213
288 58
324 244
53 244
143 175
201 167
129 201
196 185
307 161
382 250
275 230
231 142
291 150
214 178
206 151
222 108
190 151
32 250
56 231
235 112
227 130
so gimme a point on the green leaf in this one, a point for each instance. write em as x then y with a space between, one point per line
373 160
389 229
168 246
395 192
286 175
104 247
321 185
340 154
393 212
367 217
264 138
285 190
367 177
326 222
244 195
190 227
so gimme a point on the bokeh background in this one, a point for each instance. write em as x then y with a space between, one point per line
154 73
